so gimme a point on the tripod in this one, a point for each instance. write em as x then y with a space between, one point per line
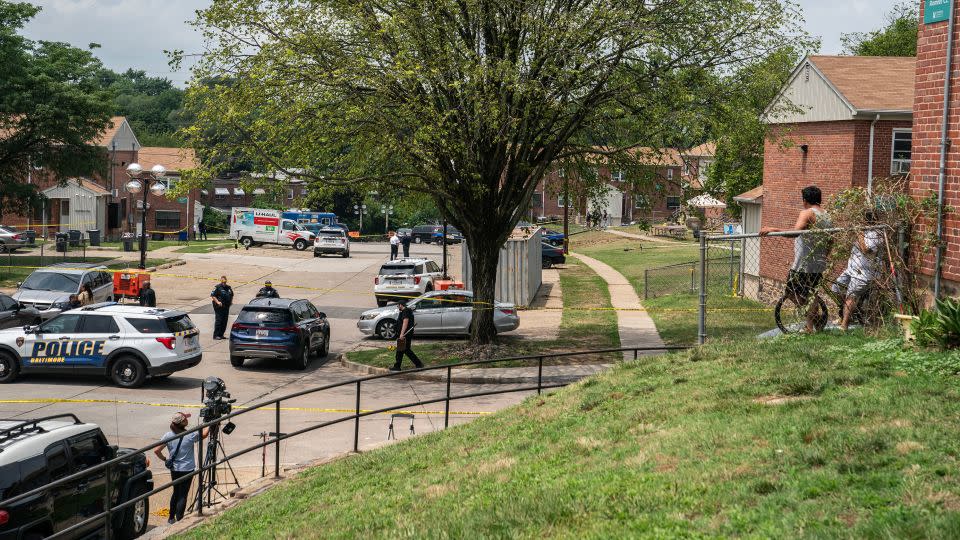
208 478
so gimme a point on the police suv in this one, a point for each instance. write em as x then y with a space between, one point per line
125 343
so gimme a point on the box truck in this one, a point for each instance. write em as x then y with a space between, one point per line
253 226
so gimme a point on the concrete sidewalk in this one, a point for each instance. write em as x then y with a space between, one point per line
639 236
635 325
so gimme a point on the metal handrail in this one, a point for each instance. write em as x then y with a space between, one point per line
110 509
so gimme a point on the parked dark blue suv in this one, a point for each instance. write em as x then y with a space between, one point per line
279 328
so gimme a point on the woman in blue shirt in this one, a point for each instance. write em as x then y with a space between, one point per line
182 461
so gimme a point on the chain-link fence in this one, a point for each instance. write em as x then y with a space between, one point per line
753 285
17 265
682 278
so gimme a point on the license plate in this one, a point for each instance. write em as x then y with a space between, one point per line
191 343
263 333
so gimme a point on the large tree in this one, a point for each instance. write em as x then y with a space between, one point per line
897 38
468 101
51 110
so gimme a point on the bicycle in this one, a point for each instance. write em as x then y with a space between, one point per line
791 315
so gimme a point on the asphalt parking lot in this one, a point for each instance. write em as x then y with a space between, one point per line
340 287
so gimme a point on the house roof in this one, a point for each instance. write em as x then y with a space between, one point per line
752 196
105 138
707 149
58 190
174 159
871 83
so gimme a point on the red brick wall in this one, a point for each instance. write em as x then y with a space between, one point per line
830 164
927 112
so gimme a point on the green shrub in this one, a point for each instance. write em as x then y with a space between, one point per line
940 326
926 329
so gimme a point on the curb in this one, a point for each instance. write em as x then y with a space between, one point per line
459 377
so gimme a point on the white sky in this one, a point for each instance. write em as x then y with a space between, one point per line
134 33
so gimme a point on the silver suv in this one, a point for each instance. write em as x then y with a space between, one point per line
11 239
48 289
331 240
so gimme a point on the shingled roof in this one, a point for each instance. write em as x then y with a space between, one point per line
871 83
174 159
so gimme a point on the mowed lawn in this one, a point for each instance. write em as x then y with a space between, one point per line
728 316
824 436
588 322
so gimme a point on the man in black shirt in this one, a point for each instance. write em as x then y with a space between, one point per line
405 241
405 324
148 297
222 297
267 291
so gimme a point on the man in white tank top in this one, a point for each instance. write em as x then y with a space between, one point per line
810 251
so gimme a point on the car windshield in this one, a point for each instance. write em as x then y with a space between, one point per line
179 323
338 233
52 281
264 315
396 270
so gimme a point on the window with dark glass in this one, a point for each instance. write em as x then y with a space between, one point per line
168 219
902 151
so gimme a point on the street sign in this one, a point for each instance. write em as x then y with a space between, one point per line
182 200
935 11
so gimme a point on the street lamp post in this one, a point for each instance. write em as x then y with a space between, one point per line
138 180
387 212
360 209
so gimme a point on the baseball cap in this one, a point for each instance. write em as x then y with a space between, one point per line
268 282
180 418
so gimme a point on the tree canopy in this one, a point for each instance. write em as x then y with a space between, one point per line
897 38
52 108
152 105
468 101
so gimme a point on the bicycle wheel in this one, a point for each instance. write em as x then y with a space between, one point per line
792 317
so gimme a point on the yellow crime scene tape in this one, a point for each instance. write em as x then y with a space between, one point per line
267 408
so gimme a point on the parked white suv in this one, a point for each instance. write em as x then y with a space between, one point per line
331 240
405 278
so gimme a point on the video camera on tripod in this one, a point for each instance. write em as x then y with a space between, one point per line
216 402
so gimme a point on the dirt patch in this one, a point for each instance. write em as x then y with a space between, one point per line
947 500
780 400
437 490
665 463
496 466
906 447
589 443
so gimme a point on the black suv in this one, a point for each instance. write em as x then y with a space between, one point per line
425 233
34 453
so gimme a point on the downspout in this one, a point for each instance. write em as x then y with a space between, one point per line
870 158
944 144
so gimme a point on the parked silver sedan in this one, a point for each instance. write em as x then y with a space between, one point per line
437 313
11 239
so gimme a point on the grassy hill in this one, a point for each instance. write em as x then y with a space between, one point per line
823 436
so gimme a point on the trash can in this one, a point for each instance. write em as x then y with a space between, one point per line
75 236
156 236
31 236
94 235
127 240
62 239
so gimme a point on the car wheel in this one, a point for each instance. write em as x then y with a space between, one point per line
236 361
325 350
304 357
246 242
300 245
135 517
128 372
9 368
315 254
3 247
417 240
546 263
346 254
387 329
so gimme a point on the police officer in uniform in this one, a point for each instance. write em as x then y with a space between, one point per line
222 297
267 291
405 324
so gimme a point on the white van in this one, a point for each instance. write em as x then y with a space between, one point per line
252 226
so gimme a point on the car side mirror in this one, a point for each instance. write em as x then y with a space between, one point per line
323 315
114 449
31 329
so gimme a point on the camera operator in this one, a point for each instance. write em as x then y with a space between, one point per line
181 462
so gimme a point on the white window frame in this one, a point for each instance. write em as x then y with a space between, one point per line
561 201
290 194
667 202
896 165
639 201
670 173
617 176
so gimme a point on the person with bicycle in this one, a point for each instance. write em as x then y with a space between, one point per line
860 271
810 252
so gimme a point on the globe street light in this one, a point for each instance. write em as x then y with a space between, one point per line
387 212
138 178
360 209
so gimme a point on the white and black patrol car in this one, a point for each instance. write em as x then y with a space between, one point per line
125 343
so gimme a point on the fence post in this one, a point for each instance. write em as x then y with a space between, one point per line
539 374
646 284
702 314
446 410
276 446
356 423
731 267
108 507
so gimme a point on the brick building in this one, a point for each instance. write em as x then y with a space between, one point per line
229 191
846 121
651 189
927 121
100 201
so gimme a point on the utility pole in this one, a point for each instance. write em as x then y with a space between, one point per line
566 215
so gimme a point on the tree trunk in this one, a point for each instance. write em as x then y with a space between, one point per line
484 259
